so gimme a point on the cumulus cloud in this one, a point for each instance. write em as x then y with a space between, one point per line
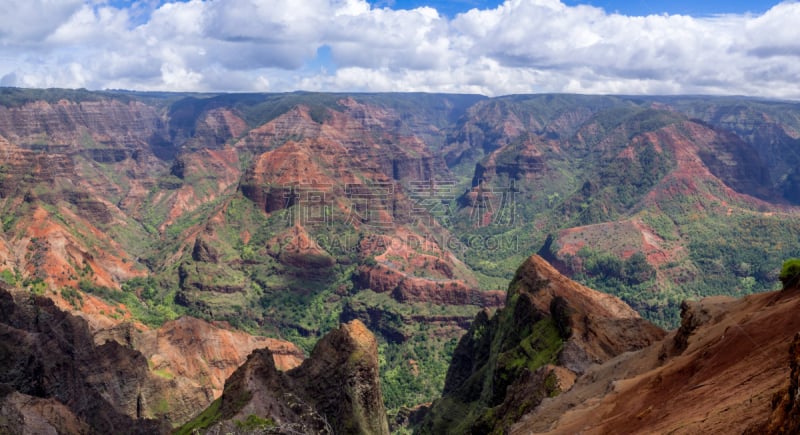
521 46
24 23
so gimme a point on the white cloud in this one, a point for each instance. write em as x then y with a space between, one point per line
520 46
31 21
383 38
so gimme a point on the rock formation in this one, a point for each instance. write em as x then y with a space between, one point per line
120 379
50 354
723 371
550 331
336 390
267 211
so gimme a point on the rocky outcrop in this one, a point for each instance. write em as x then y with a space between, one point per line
24 414
107 155
88 207
336 390
729 376
204 251
405 288
359 143
694 315
394 326
342 374
49 354
519 160
550 331
296 248
105 123
197 357
124 378
214 128
785 418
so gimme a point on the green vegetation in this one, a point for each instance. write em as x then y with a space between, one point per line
35 285
72 296
153 310
8 222
164 374
510 348
601 157
16 97
211 415
790 272
746 244
8 277
254 422
413 362
614 272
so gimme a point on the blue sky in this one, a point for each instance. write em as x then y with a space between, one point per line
633 7
629 7
497 48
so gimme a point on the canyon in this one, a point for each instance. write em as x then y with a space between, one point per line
171 233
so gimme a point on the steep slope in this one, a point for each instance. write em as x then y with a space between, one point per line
722 371
20 413
666 224
595 183
771 128
286 214
55 364
196 357
551 331
126 206
47 353
328 226
336 390
785 417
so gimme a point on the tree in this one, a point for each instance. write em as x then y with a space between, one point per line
790 273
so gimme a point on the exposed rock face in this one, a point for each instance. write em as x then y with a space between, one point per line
404 288
520 160
49 354
596 325
204 252
507 123
360 143
104 188
551 330
693 315
197 357
24 414
22 168
785 416
298 249
121 379
729 376
393 326
769 130
342 375
490 124
215 128
336 390
106 123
